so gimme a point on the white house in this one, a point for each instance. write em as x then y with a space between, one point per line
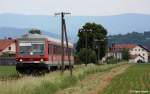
138 53
7 46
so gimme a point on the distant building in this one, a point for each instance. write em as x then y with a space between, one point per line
7 46
138 53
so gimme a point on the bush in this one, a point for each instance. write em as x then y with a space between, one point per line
125 54
88 54
112 60
35 31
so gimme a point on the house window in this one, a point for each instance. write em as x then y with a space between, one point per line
139 49
143 54
135 49
9 48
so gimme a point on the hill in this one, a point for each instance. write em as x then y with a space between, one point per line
116 24
12 32
131 38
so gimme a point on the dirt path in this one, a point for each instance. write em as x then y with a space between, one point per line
95 83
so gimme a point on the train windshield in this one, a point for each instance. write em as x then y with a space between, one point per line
31 48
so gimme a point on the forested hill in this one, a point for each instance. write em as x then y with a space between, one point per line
134 38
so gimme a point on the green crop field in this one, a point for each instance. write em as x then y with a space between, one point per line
7 72
135 80
7 69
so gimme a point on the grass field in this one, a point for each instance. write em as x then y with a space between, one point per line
136 80
95 82
52 82
8 72
109 79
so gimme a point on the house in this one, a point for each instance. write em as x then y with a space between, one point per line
7 46
138 53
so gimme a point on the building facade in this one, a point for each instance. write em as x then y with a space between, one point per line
7 46
138 53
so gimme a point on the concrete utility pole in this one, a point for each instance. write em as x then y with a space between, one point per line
98 47
86 44
63 30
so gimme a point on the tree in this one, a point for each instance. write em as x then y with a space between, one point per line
87 56
35 31
125 54
87 36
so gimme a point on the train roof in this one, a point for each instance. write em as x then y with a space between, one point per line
38 36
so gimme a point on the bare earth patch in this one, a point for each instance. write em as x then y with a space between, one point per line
95 83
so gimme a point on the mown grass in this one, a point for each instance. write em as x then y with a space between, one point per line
52 82
8 72
135 80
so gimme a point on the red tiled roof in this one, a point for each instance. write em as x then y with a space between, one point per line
124 46
5 43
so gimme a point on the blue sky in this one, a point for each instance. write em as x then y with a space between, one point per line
76 7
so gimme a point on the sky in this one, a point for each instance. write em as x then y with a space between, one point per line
76 7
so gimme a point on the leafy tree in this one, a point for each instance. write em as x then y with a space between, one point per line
35 31
87 36
125 54
87 56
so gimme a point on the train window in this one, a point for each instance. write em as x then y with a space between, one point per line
67 51
50 49
59 49
35 48
54 49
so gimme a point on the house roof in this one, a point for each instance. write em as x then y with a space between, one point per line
5 43
144 47
124 46
120 47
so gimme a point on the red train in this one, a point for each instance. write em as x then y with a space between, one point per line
38 53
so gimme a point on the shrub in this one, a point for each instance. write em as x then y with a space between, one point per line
112 60
87 56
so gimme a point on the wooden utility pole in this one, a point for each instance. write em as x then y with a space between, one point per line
63 31
68 51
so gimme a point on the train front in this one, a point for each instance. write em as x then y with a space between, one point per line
32 53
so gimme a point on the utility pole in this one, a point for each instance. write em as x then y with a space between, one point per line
86 48
63 30
69 51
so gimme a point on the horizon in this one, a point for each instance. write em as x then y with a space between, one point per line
11 13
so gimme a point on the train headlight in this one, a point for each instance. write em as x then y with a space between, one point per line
20 60
31 53
41 60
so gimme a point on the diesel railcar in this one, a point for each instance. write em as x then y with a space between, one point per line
39 54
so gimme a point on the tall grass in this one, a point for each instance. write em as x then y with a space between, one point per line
135 79
50 83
